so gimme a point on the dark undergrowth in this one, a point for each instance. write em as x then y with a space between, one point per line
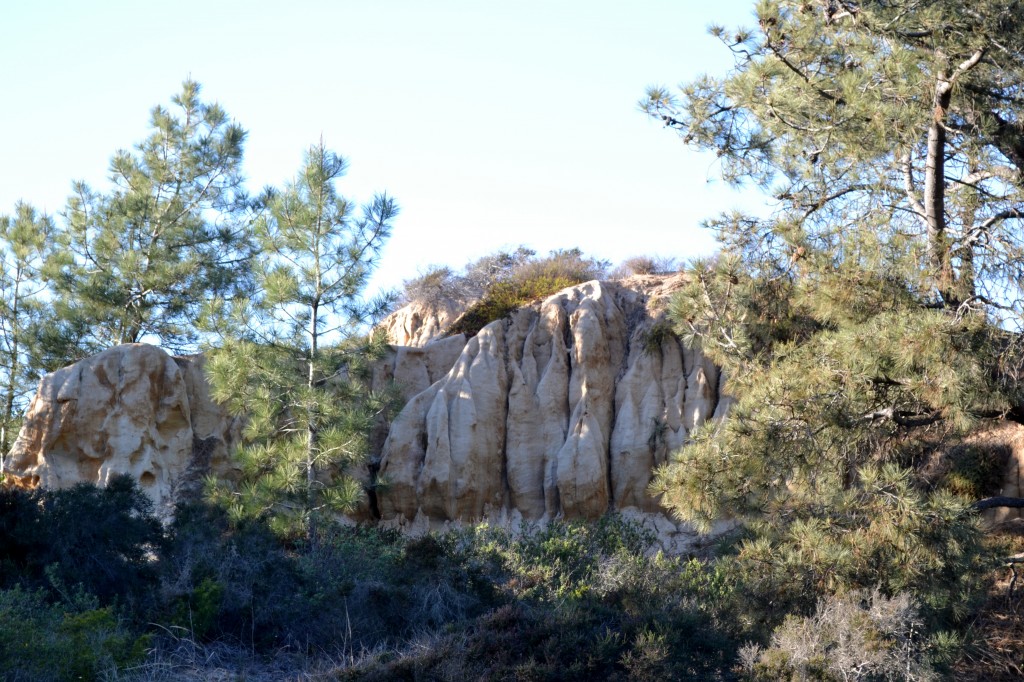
92 587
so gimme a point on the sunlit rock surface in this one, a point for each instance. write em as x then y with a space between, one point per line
561 410
132 409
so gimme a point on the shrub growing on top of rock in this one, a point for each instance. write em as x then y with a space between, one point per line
507 281
645 265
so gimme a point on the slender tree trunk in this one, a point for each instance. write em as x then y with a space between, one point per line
935 191
311 428
8 418
15 367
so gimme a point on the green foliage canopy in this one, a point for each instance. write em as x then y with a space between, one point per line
139 261
874 314
294 359
899 119
26 242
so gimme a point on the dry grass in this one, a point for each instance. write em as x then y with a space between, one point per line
183 660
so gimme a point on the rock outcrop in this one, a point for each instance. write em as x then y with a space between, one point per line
131 409
560 410
419 323
563 409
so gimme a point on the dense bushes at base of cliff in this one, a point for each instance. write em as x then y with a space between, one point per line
575 602
77 580
119 593
72 640
99 539
571 599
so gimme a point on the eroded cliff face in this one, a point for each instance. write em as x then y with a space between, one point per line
563 409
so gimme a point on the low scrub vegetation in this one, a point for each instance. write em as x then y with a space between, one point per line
645 265
496 285
570 601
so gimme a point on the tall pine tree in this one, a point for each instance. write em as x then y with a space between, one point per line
901 119
297 369
26 240
140 260
875 314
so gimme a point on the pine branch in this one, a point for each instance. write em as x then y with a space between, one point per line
903 418
993 502
803 76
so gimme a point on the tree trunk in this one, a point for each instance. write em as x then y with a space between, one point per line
935 191
992 502
311 428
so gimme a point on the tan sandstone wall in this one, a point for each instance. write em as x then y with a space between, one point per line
560 410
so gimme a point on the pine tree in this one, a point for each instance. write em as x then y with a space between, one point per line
26 240
875 314
297 370
140 260
898 118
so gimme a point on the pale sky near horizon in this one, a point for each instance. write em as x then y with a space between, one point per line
492 124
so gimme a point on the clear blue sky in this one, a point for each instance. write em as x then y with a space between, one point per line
492 123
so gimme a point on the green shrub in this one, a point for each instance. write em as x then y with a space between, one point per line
348 589
862 635
498 284
43 642
101 539
572 600
236 577
198 611
499 302
645 265
653 338
432 287
527 279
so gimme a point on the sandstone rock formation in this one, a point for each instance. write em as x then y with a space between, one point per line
131 409
419 323
561 410
414 368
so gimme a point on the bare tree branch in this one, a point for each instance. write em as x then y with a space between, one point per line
993 502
